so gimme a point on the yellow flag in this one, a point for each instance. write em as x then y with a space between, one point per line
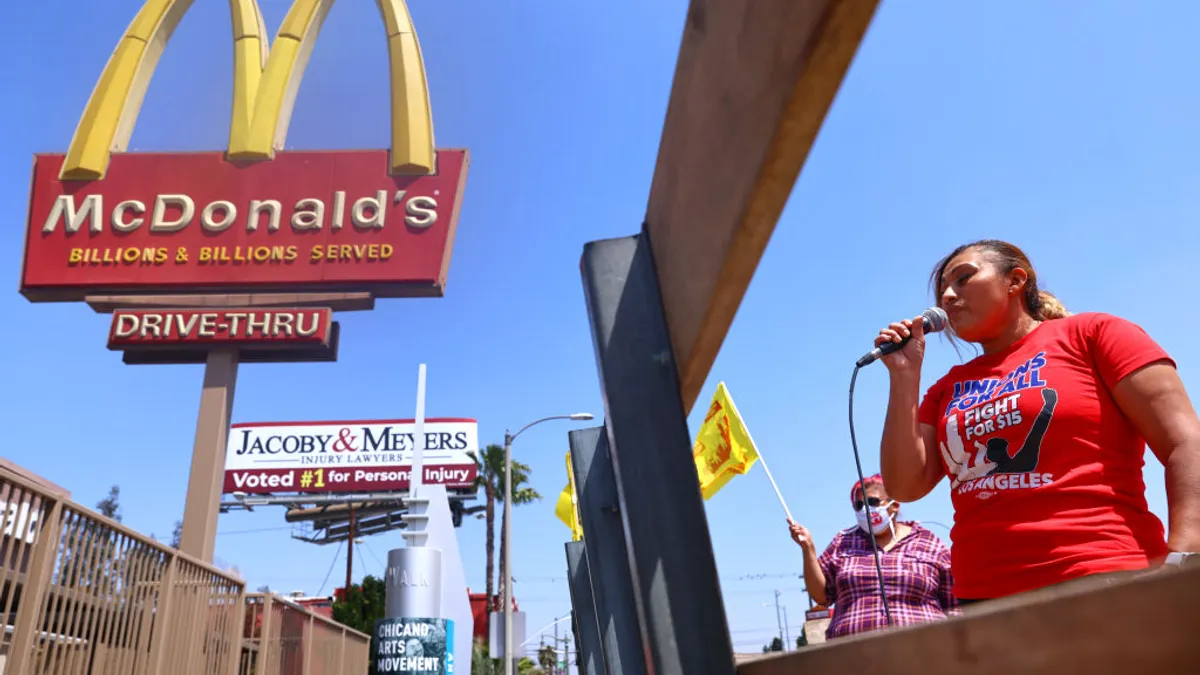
723 448
567 507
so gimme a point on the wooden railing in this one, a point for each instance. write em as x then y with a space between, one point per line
1143 626
81 594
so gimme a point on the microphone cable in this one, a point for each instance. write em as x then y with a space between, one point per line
887 612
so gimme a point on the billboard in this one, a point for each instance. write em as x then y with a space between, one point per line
253 218
347 457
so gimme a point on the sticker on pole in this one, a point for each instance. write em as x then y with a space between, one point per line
408 646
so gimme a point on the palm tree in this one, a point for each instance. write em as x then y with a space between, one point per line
483 664
521 494
490 465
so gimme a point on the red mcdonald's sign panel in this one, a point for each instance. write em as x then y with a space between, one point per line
312 221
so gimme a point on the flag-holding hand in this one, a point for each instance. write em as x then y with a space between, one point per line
801 535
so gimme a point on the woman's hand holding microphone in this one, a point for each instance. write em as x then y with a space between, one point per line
908 358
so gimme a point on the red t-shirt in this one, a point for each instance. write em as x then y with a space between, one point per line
1045 469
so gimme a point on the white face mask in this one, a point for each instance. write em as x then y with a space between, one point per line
880 519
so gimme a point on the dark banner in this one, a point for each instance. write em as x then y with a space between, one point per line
410 646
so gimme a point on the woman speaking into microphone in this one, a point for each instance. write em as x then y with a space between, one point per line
1042 436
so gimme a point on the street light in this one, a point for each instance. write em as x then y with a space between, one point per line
508 493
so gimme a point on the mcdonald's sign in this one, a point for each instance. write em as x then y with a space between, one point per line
253 218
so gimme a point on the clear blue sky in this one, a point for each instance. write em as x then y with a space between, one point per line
1068 128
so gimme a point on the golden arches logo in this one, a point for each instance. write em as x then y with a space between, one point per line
266 79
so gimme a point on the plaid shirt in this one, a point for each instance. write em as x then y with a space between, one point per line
916 573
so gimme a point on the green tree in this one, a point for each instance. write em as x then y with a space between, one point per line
775 646
480 663
361 605
802 639
110 506
177 534
521 494
96 545
547 658
483 664
490 466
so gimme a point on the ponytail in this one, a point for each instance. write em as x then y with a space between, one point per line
1049 307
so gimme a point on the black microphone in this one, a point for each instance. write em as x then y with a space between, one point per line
934 320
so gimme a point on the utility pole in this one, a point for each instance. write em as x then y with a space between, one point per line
787 634
350 551
510 659
779 620
562 667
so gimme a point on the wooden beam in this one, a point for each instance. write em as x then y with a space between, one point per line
754 81
1146 626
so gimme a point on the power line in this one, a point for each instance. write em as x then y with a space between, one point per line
331 564
756 591
372 552
757 576
772 630
261 529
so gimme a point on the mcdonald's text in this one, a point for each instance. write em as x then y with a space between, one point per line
194 222
278 327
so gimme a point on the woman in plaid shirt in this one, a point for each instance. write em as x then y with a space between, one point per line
916 567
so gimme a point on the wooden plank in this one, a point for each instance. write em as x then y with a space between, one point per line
754 81
1144 626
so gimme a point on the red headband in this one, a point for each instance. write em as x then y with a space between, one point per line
867 482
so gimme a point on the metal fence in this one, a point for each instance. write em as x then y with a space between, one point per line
283 638
80 594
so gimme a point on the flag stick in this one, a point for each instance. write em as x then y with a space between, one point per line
772 479
761 458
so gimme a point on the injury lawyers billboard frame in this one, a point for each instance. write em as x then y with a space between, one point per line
361 456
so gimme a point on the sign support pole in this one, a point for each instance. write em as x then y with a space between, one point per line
199 536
